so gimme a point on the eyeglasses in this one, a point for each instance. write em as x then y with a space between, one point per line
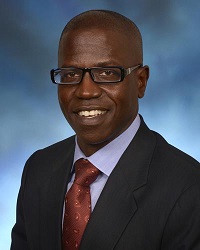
72 75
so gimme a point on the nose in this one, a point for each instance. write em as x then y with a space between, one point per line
87 88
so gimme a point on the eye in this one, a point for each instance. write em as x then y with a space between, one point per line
107 72
110 73
70 74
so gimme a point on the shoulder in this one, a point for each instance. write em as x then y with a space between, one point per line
176 168
171 153
46 161
168 166
163 151
56 150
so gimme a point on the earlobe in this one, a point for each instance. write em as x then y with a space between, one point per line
143 75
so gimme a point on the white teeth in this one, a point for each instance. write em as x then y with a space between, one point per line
91 113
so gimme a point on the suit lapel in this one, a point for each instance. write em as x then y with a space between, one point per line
51 200
117 203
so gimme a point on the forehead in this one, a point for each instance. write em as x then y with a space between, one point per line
93 45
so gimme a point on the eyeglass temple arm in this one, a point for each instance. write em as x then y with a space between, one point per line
129 70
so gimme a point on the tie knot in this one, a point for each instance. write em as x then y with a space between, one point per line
85 172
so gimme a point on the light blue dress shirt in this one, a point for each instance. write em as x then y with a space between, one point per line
106 158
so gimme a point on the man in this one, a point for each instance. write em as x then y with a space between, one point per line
147 193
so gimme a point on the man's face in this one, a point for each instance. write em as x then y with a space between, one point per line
98 113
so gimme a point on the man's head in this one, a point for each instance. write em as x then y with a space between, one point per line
99 112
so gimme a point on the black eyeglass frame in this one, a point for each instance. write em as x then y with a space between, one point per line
124 73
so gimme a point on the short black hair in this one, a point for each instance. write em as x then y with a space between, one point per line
106 19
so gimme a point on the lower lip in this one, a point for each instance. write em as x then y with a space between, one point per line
88 117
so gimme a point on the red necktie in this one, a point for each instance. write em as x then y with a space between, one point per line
78 204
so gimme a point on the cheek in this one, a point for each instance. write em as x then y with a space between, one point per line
124 96
126 102
64 92
64 98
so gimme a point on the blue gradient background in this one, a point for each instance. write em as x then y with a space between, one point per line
30 114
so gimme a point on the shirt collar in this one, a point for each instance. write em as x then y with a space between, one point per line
106 158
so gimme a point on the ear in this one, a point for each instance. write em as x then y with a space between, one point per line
143 76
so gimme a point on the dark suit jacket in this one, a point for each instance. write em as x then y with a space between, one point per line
151 200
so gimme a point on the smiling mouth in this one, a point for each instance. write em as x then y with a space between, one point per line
91 113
